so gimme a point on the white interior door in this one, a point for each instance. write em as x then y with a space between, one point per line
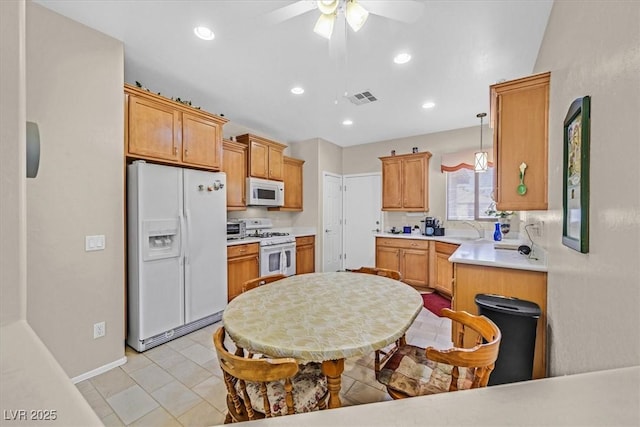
332 222
362 218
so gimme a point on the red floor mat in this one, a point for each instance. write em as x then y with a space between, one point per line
434 302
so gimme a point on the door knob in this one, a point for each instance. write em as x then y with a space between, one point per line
327 230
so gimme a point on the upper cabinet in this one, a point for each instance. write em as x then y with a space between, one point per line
234 164
292 185
520 121
266 157
405 182
157 128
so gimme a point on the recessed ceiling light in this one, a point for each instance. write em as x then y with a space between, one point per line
297 90
204 33
402 58
428 105
347 122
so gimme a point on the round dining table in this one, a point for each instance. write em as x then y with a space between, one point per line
322 317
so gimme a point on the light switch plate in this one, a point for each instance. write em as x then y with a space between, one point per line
94 243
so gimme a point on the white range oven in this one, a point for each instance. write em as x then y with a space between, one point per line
277 250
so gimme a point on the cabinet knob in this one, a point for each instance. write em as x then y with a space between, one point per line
175 151
186 152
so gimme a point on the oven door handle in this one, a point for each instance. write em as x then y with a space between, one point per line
283 261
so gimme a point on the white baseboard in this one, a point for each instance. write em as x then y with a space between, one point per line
100 370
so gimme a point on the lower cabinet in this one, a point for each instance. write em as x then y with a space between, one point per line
442 268
471 280
408 256
243 263
305 254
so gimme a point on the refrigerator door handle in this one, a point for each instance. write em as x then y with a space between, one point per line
182 237
185 235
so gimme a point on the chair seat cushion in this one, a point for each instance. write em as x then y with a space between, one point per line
410 372
309 386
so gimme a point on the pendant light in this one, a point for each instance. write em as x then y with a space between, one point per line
481 163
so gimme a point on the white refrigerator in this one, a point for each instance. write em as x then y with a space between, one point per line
177 258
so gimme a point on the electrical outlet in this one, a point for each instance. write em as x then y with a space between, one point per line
99 330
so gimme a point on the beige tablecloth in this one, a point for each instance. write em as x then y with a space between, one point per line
322 316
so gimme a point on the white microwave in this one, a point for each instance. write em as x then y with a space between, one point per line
264 192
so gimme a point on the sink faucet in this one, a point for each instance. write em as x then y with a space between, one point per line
476 227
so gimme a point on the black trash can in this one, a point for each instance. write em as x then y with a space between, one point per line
517 320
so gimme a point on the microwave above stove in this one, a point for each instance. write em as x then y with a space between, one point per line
264 192
236 230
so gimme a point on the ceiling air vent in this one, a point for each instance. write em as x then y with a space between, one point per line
362 98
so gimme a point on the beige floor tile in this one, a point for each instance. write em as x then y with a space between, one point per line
199 353
180 343
165 356
213 391
213 366
151 377
135 361
132 403
189 373
359 372
202 415
176 398
159 417
112 382
95 400
363 393
112 420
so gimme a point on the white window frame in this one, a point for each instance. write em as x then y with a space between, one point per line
478 211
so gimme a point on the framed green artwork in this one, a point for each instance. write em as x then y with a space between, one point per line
575 194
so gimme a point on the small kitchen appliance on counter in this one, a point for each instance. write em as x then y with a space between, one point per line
430 225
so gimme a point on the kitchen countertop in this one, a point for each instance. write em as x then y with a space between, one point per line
478 251
602 398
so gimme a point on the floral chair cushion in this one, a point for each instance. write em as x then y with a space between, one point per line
309 386
410 372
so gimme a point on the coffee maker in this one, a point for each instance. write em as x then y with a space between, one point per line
430 224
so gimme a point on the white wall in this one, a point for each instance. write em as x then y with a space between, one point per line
593 48
75 94
12 164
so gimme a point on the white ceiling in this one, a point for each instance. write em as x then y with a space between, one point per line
458 49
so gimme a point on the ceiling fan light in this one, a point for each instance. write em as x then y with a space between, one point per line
324 25
327 7
356 15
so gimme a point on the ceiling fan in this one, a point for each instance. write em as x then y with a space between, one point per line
355 12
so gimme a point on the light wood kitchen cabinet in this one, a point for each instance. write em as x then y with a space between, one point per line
442 268
243 263
405 182
305 254
292 185
408 256
266 157
234 164
159 129
520 120
471 280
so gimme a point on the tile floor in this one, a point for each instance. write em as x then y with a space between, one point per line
180 383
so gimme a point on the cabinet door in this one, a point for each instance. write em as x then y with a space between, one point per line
305 255
154 130
293 184
239 270
391 184
275 163
388 258
259 160
444 274
521 136
415 267
415 192
201 142
234 164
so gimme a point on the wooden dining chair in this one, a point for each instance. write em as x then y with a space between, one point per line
415 371
385 272
259 281
261 387
382 355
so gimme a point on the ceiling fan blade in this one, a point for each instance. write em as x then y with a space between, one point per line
402 10
284 13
